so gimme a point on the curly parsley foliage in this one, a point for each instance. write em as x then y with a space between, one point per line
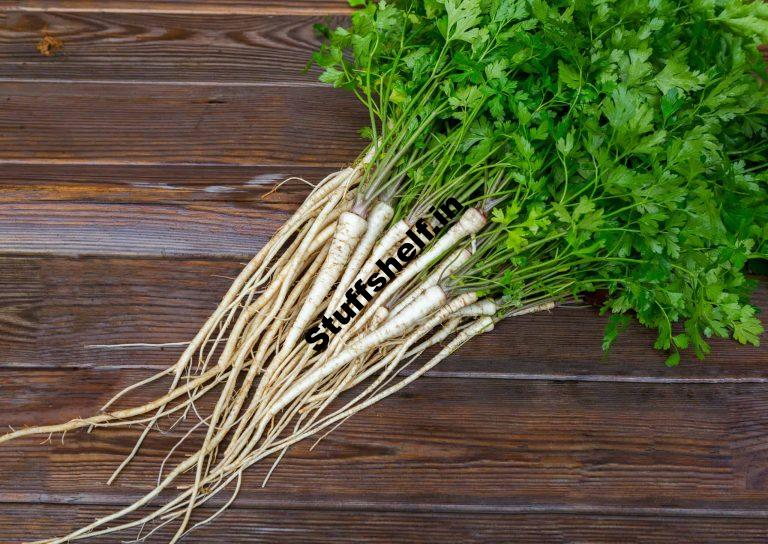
621 143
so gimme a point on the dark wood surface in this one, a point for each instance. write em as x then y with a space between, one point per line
226 7
134 165
246 50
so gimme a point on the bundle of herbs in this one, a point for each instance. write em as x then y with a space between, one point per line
579 146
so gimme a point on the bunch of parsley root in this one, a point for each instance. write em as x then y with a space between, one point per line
611 145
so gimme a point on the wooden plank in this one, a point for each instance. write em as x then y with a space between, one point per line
166 185
443 444
227 7
52 309
20 523
88 229
162 124
142 47
139 211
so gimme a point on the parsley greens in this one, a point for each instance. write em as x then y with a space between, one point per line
618 145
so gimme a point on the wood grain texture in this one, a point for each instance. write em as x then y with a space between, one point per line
146 211
227 7
238 186
132 169
266 526
162 124
441 445
52 309
144 47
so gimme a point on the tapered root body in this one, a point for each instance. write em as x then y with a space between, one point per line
483 307
388 241
378 219
448 267
348 232
470 223
432 299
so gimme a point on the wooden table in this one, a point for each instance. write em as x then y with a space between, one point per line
133 162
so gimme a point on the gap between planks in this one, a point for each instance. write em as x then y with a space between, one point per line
170 256
433 508
202 10
577 378
201 164
57 81
589 378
